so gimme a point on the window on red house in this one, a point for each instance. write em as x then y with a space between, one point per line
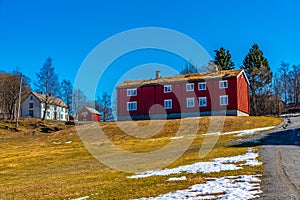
167 88
131 105
224 100
223 84
202 101
131 92
168 104
202 86
190 87
190 102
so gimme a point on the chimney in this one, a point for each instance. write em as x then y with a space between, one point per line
157 75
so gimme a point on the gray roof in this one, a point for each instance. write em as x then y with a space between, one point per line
92 110
52 100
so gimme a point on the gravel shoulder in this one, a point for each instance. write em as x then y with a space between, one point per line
280 151
281 156
281 172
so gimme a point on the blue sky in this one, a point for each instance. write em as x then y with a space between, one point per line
69 30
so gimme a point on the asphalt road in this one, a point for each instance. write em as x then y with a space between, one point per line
281 155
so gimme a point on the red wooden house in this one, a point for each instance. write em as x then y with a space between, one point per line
89 114
216 93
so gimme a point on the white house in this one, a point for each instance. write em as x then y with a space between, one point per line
33 107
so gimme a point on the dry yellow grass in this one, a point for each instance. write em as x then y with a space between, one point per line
33 167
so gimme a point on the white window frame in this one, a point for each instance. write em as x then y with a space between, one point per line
132 92
189 103
129 108
188 87
167 88
223 84
221 101
166 106
202 83
202 98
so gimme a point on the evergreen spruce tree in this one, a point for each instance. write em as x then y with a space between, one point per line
223 59
259 74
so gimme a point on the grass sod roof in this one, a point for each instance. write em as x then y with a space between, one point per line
52 100
225 74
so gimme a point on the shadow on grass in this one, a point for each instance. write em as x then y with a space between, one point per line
284 137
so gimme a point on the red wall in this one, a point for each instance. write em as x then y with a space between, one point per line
89 117
243 94
147 96
95 118
174 95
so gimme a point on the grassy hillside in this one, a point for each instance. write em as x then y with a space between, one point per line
49 161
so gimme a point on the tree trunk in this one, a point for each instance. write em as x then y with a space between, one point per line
104 116
45 108
10 111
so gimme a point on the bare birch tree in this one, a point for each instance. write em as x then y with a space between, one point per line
47 82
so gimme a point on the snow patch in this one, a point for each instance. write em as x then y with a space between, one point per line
290 115
249 131
249 158
203 167
177 137
242 132
86 197
216 165
83 198
214 133
229 187
68 142
56 142
233 188
182 178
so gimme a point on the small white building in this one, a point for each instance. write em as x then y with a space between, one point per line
34 106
